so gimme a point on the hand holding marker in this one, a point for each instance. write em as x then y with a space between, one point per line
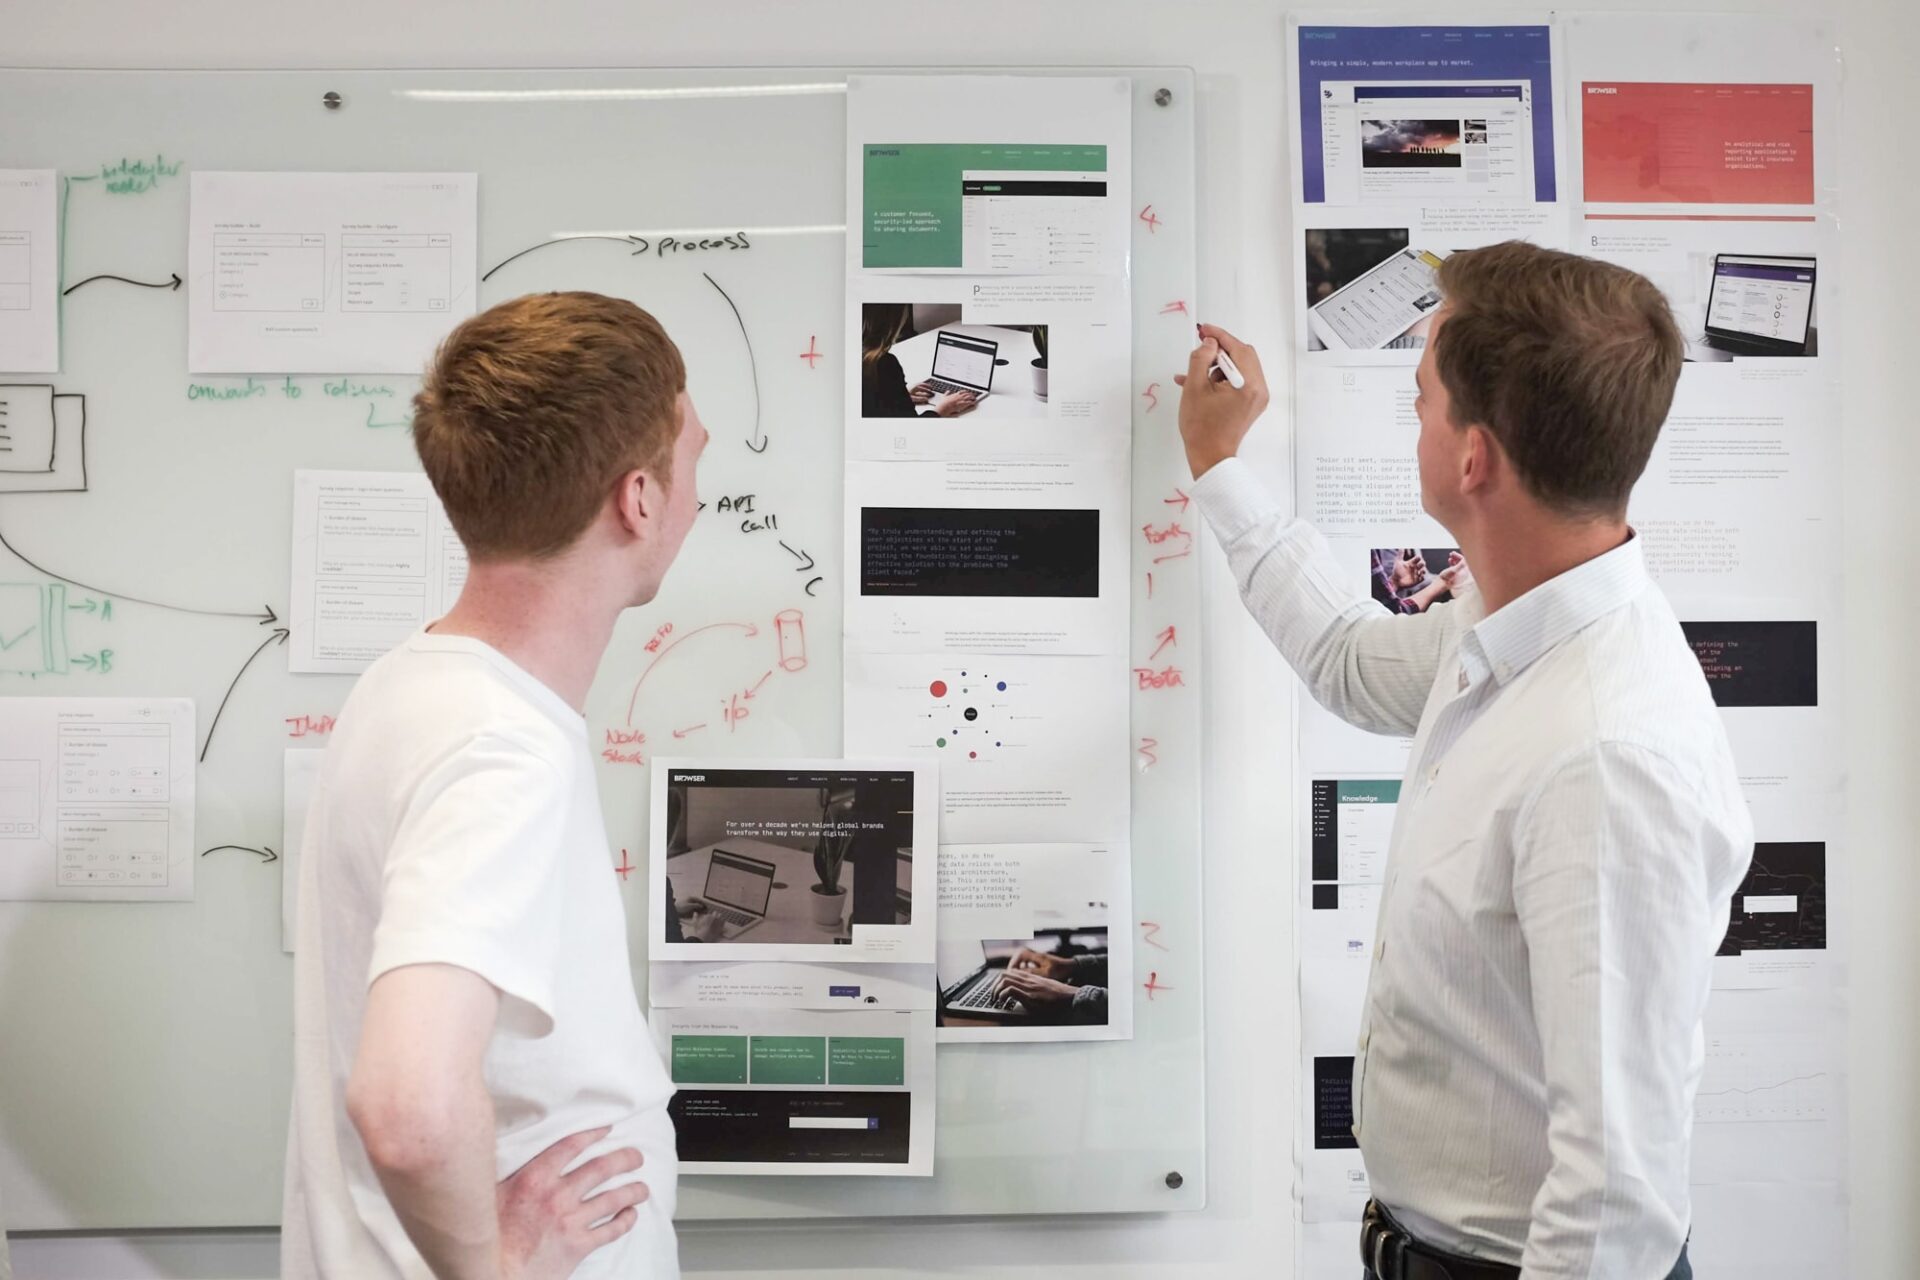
1224 369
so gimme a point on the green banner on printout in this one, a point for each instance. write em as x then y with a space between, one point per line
709 1059
912 194
789 1060
1371 791
867 1060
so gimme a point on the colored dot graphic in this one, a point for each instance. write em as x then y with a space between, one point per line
1002 686
939 742
938 688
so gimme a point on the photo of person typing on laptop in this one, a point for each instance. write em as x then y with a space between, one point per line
1057 977
884 392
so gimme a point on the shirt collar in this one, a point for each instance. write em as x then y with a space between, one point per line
1505 643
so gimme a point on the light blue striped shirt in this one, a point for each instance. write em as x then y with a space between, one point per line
1569 836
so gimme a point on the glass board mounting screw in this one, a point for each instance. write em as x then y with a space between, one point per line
331 100
1174 1179
1161 97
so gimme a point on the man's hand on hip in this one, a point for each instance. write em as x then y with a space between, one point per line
551 1218
1215 417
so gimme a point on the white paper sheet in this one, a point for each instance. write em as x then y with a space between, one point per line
1068 904
1030 749
374 560
744 840
987 557
327 272
1347 823
1022 175
300 771
29 276
96 799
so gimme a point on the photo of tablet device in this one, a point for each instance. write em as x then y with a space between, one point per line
1379 306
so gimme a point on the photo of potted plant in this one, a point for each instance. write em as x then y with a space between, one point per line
1040 361
829 854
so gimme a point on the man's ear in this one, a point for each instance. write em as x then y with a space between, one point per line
636 500
1480 460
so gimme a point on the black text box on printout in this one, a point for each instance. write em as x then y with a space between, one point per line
972 551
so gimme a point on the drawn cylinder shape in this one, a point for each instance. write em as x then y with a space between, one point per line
792 629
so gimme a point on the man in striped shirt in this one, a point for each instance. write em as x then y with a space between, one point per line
1571 829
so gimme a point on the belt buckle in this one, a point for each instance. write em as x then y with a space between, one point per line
1389 1250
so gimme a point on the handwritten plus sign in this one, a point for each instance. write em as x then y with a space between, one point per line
812 354
625 865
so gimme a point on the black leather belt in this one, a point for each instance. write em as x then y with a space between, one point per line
1391 1253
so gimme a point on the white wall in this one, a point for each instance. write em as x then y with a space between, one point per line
1237 50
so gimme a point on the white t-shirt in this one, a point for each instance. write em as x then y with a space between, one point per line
455 821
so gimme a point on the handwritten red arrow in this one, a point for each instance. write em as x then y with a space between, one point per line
756 685
748 627
1178 307
1179 500
692 728
1165 638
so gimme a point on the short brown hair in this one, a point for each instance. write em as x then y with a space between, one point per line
533 408
1570 362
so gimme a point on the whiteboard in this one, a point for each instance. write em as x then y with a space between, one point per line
144 1049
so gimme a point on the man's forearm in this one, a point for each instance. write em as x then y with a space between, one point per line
1368 667
442 1183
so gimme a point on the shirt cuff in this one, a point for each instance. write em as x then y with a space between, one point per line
1233 499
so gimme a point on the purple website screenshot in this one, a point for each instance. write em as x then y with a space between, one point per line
1426 113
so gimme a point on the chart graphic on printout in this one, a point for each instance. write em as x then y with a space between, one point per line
1755 1077
1026 745
972 711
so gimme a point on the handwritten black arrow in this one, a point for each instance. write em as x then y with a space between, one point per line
279 636
172 282
264 616
758 441
265 851
798 555
633 240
